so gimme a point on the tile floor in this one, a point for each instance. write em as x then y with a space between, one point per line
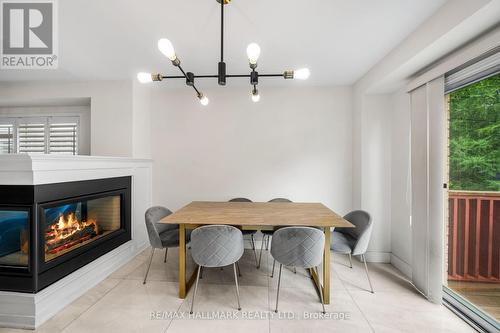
121 303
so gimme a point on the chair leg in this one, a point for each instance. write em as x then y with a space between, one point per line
237 289
166 252
254 251
195 289
149 265
274 263
321 293
238 267
267 242
261 249
294 270
201 273
278 291
367 275
350 260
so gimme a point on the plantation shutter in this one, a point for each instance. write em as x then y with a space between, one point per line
63 137
6 139
31 136
42 135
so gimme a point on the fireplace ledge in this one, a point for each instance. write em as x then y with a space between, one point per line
36 169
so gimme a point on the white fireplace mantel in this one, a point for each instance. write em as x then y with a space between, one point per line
25 310
35 169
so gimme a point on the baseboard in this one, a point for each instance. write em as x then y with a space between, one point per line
375 256
371 256
401 265
17 310
28 311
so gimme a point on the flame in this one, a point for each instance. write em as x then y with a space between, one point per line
68 226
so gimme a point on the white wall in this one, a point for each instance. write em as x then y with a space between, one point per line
372 125
376 173
141 121
294 143
401 237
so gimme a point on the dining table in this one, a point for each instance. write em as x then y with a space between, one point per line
256 216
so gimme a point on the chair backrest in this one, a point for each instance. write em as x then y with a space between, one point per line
280 200
152 216
240 200
298 246
362 233
216 245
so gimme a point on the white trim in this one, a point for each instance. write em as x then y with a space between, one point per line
475 72
401 265
378 256
469 52
371 256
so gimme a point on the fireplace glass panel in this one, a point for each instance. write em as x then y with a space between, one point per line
14 238
76 224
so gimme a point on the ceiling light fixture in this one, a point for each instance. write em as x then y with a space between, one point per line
253 53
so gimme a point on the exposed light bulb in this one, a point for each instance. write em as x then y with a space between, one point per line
144 77
301 74
166 47
255 95
203 99
253 53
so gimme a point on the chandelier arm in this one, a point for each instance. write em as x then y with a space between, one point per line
182 70
222 31
271 75
172 77
207 76
238 75
197 91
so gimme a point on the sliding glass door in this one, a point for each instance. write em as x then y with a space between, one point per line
473 216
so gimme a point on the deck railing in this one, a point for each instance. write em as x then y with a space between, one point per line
474 236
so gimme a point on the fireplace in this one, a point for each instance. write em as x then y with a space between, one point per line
48 231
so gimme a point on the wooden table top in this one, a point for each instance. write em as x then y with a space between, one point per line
257 214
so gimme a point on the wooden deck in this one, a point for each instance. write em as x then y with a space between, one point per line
485 296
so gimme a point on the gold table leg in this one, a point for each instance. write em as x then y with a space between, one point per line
182 261
183 285
326 267
325 288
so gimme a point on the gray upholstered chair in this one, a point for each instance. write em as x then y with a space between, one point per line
267 234
250 233
298 247
354 241
216 246
161 236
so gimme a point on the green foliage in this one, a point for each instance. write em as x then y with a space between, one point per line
475 136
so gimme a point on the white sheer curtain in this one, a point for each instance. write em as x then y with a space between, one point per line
427 178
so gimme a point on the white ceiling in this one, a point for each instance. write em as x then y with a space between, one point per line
339 40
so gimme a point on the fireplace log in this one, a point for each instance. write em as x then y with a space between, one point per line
87 232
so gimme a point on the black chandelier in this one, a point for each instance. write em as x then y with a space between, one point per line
253 52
